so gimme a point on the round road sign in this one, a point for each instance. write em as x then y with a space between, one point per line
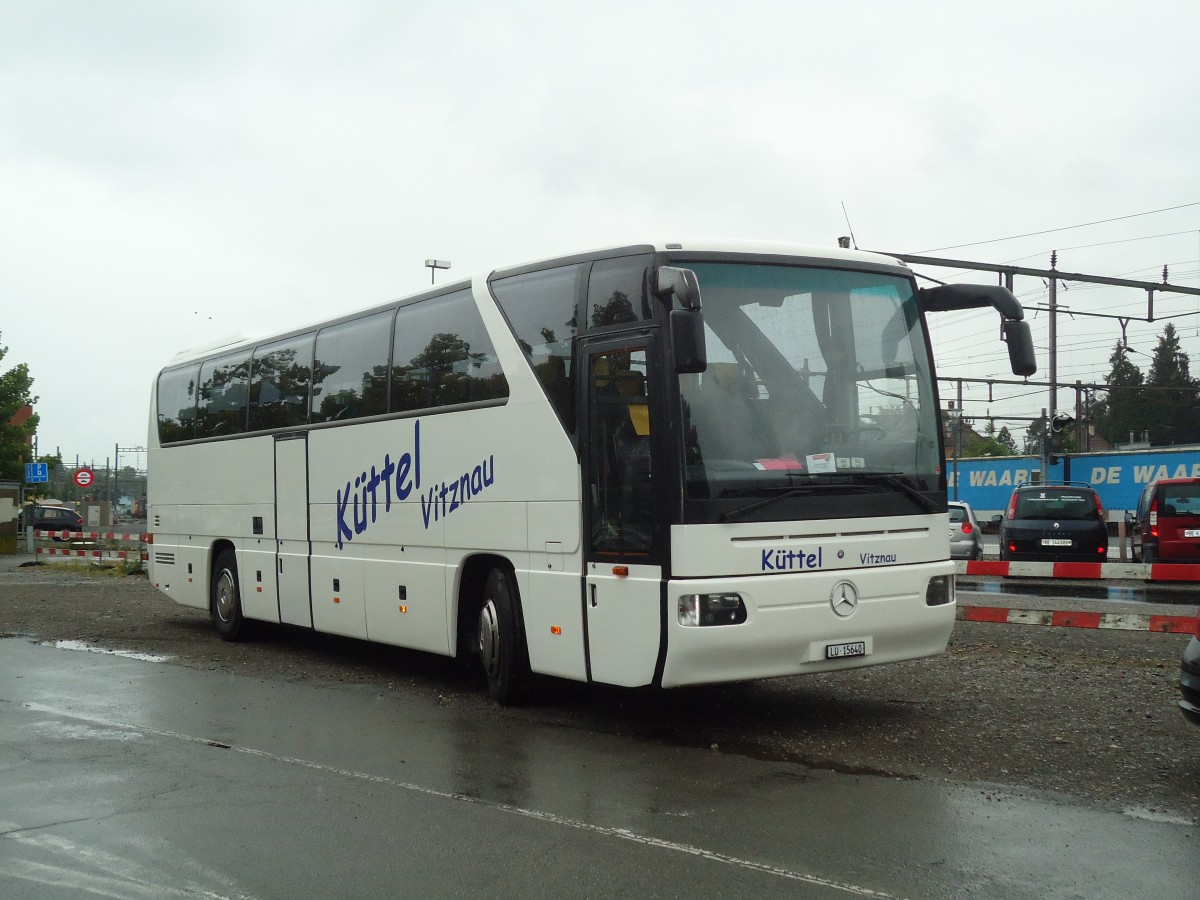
84 477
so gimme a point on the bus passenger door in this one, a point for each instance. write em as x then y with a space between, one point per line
622 585
292 547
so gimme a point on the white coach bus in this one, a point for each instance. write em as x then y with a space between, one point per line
662 464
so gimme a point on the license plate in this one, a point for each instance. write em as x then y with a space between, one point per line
840 651
1191 532
1056 542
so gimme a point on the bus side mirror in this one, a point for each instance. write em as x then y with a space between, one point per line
948 297
681 284
687 341
1020 347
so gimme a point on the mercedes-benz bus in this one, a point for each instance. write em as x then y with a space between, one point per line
657 464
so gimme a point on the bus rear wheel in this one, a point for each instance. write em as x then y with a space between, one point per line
502 647
225 598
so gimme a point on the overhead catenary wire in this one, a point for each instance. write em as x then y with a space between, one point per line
1063 228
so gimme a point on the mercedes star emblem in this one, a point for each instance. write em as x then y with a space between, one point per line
844 599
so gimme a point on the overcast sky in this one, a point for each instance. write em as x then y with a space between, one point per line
175 172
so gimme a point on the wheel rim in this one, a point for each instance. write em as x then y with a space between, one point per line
489 637
226 596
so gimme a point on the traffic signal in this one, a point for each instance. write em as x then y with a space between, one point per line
1060 428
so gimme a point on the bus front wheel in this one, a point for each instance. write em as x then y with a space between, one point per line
225 598
502 640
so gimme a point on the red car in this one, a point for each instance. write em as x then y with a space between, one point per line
1165 527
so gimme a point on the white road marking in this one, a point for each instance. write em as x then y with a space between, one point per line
88 648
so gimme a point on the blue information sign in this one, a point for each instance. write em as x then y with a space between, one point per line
37 472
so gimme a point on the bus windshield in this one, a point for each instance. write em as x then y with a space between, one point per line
818 386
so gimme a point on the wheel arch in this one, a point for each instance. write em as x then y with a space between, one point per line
219 546
468 597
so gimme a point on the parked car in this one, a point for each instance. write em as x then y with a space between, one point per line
1165 526
52 518
966 539
1189 678
1054 522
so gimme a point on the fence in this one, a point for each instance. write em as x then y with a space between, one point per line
95 546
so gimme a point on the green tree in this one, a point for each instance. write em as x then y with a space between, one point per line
991 442
1007 441
1123 411
1170 405
15 393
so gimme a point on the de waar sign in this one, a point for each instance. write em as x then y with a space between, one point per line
1118 477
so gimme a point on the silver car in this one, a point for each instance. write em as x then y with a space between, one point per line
966 540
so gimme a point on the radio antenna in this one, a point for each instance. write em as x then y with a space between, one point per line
849 227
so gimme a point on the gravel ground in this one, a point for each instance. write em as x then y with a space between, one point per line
1090 714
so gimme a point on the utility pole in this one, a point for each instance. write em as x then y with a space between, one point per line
1053 333
958 440
1046 446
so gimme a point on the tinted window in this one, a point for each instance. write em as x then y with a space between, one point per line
1056 505
279 377
617 291
224 391
958 514
442 355
622 504
1180 500
541 308
177 404
350 372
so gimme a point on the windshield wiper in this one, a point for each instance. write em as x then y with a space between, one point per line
849 481
767 501
893 479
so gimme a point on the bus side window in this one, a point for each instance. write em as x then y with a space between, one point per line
177 390
617 291
223 397
541 308
350 370
279 382
442 355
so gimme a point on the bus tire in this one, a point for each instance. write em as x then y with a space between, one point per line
502 649
225 598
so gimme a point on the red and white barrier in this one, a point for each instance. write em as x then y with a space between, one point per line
91 554
88 535
89 550
1118 621
1083 570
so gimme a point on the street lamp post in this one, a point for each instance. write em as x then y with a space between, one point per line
433 265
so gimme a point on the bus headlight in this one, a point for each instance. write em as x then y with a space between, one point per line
940 591
711 609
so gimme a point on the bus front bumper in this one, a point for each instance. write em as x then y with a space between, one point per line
791 626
